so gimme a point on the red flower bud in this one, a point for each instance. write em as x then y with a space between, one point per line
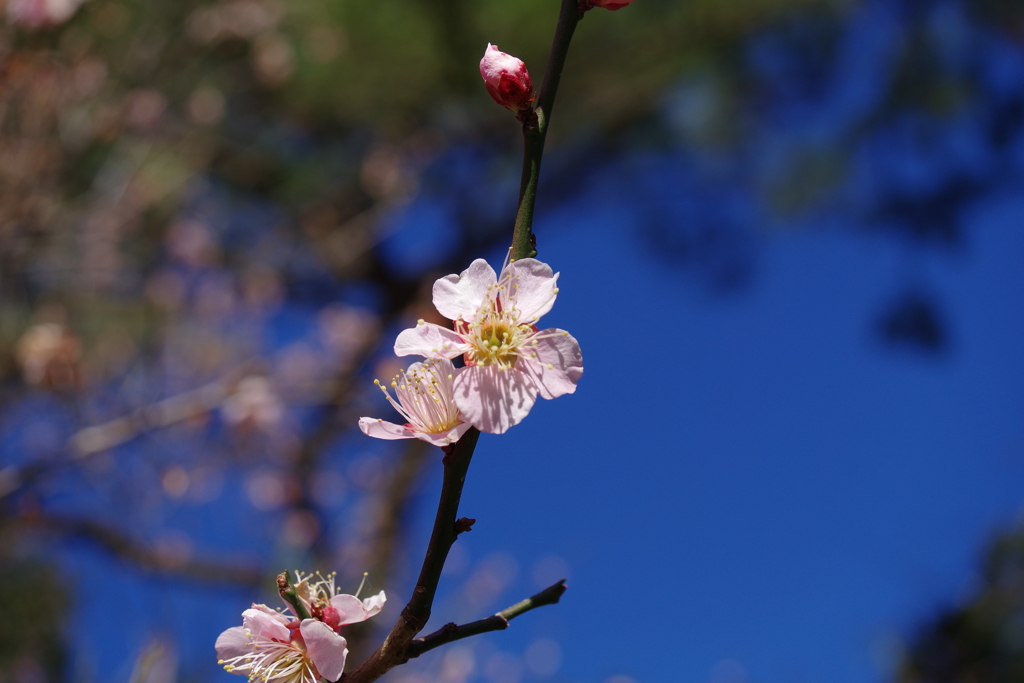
610 4
506 79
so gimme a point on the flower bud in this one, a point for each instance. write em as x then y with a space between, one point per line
506 79
610 4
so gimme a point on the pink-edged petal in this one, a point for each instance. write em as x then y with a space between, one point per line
272 613
231 644
492 400
374 604
429 340
325 648
459 296
444 438
350 609
536 292
263 625
379 429
561 351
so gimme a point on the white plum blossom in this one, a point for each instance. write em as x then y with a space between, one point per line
508 360
273 647
426 400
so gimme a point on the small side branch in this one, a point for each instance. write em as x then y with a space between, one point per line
496 622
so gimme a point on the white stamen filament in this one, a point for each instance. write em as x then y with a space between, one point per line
425 396
272 660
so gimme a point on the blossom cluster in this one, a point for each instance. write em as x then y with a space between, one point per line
271 645
507 361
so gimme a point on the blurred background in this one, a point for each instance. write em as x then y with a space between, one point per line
790 240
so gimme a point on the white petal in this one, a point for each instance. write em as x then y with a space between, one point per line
492 400
379 429
231 644
444 438
535 294
459 296
431 341
374 604
562 353
326 648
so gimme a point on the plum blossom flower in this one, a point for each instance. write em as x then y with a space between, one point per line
508 360
271 646
506 79
426 400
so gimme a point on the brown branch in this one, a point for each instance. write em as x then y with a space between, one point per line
496 622
394 650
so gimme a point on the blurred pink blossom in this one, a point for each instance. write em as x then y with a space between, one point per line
40 13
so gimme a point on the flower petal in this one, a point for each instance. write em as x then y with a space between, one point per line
350 609
264 625
379 429
231 644
429 340
459 296
444 438
492 400
562 352
375 603
326 648
537 285
272 613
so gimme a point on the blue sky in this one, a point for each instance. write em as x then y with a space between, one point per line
755 479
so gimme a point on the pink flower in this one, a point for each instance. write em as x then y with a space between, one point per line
610 4
39 13
508 360
506 79
425 399
271 646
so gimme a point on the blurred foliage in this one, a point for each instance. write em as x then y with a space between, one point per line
31 649
981 641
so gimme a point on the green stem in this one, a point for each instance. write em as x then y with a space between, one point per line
535 130
288 594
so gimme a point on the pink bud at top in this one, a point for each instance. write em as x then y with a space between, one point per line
506 79
610 4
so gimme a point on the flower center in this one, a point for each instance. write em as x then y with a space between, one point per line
496 342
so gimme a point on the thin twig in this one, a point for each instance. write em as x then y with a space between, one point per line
496 622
